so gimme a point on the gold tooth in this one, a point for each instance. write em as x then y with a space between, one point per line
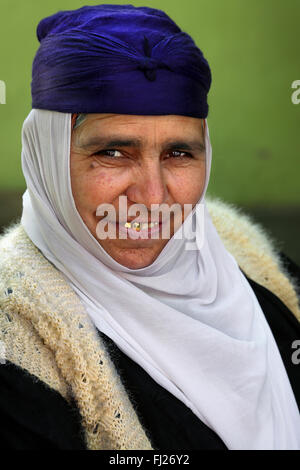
137 226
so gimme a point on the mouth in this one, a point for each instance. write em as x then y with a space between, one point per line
139 229
138 226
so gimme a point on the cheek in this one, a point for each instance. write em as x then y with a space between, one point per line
188 185
93 187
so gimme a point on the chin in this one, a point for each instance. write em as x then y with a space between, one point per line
133 254
135 258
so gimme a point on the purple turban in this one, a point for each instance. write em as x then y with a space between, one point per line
118 59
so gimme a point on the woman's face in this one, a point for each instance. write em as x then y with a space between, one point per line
149 160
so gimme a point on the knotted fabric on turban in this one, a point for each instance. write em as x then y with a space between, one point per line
118 59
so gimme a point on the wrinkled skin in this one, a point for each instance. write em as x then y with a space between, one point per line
150 173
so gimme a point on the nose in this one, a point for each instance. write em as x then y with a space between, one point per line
149 185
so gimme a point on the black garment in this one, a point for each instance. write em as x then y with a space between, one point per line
33 416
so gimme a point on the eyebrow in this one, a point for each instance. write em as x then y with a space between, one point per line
137 143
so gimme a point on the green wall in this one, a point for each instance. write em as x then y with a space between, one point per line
253 50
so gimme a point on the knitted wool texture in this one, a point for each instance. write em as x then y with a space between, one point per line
47 332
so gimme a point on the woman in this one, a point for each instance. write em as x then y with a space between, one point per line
136 340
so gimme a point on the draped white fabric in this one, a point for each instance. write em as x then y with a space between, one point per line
190 319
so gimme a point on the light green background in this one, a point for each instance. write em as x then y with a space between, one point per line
253 50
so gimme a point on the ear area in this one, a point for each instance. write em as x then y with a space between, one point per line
73 120
203 125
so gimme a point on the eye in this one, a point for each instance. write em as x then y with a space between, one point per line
180 154
108 153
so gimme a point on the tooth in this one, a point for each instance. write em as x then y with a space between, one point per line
140 226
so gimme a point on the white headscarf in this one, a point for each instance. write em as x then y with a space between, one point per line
190 319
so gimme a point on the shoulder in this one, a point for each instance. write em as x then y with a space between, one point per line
23 345
256 252
36 404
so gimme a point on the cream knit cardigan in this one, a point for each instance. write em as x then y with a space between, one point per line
45 329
